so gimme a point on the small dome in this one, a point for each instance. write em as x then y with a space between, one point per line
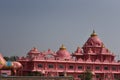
62 53
33 50
78 50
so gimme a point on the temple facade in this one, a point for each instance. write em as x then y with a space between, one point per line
92 56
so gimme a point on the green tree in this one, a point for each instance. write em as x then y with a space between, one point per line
87 75
14 58
6 58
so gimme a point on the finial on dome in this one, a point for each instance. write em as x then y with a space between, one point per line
62 47
78 47
103 46
93 34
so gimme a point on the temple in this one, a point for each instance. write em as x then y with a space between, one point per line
92 56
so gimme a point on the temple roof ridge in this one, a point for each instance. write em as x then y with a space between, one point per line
78 50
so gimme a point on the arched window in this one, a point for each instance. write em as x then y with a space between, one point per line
51 66
61 66
40 65
71 67
80 67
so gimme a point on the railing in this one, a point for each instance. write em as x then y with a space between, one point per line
34 78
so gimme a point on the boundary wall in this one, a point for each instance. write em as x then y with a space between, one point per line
34 78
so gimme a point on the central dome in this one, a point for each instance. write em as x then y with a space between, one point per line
93 41
62 53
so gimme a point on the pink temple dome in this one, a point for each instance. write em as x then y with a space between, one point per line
33 50
62 53
93 41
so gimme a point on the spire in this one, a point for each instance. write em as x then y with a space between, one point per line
62 47
93 34
78 50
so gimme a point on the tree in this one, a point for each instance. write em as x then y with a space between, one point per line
87 75
12 58
6 58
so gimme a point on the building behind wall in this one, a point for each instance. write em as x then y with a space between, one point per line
5 72
93 56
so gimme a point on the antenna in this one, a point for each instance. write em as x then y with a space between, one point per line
93 26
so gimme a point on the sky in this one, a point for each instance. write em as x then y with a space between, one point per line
47 24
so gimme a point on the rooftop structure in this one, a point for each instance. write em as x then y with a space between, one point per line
93 56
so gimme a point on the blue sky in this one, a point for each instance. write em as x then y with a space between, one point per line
49 23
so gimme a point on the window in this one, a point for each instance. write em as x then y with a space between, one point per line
79 76
116 76
70 67
23 66
119 67
79 67
88 67
61 73
97 68
97 76
113 68
105 68
40 66
50 66
61 66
